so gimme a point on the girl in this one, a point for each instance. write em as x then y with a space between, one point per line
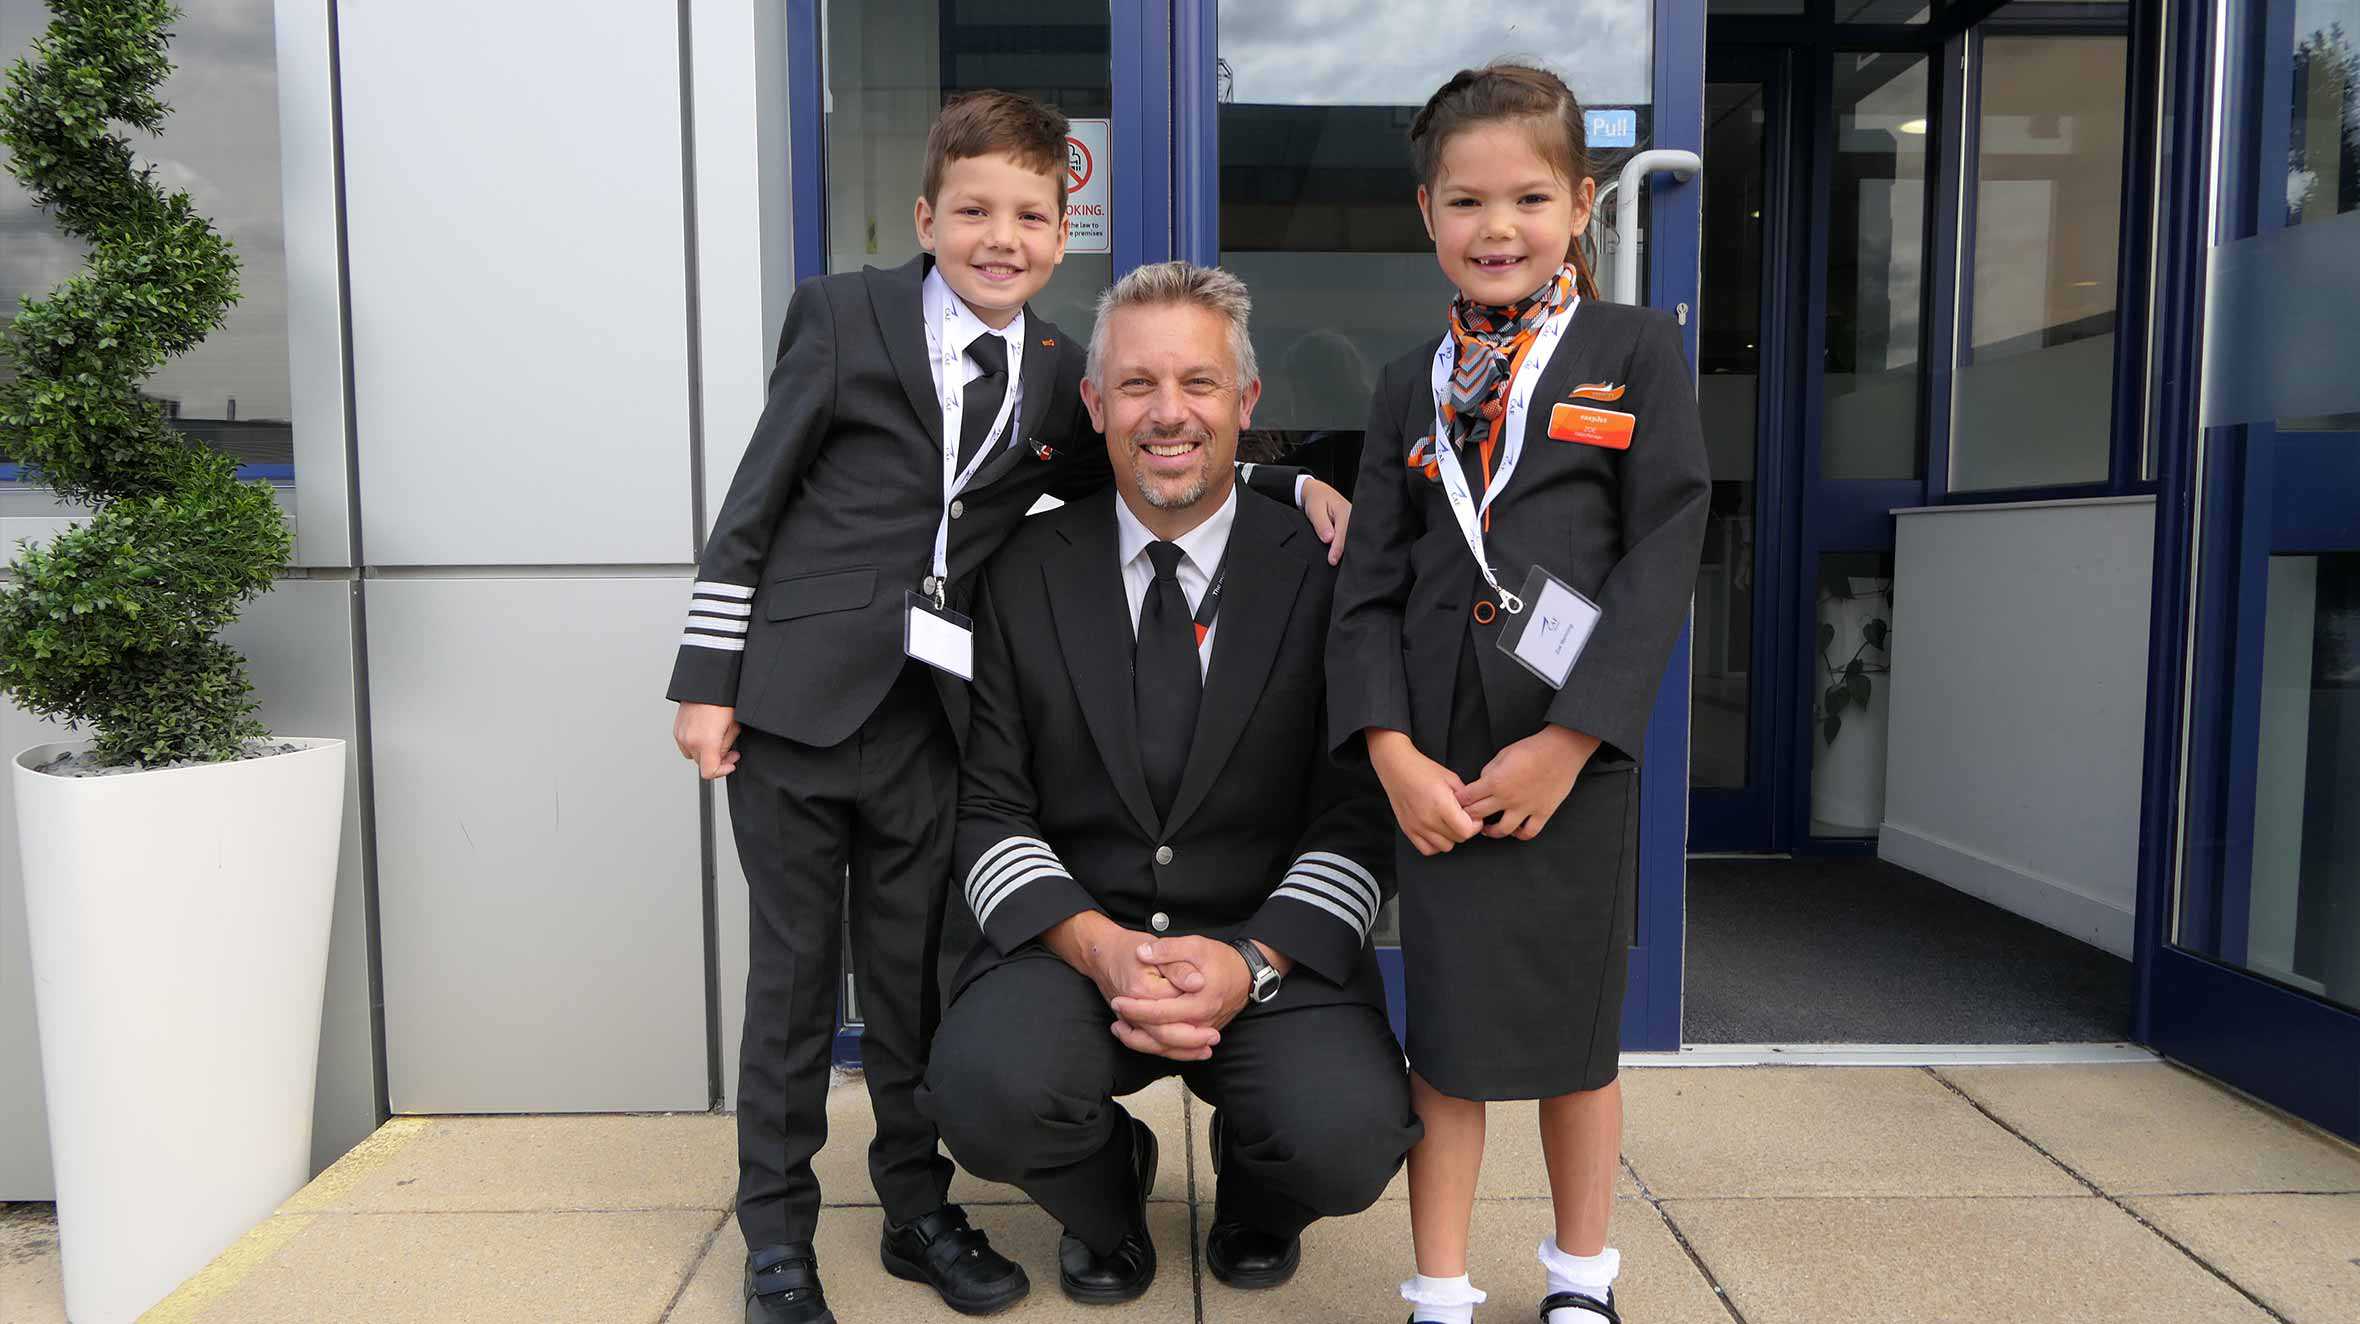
1531 504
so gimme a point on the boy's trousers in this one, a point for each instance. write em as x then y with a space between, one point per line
883 803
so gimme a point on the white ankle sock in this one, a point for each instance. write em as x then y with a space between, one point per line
1442 1300
1590 1275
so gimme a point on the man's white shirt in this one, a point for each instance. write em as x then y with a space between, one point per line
1201 549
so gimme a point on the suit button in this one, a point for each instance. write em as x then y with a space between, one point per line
1163 855
958 508
1159 921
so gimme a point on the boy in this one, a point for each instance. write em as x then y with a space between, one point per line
914 416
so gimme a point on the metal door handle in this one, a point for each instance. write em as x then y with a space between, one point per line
1679 165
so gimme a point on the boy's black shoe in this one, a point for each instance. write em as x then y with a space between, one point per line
1561 1300
782 1287
1125 1275
943 1252
1249 1259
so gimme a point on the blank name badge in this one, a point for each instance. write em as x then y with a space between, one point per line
1548 636
939 637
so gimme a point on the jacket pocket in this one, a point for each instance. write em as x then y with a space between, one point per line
809 595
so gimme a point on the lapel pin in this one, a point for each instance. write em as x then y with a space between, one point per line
1048 343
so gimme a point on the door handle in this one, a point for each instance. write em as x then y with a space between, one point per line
1679 165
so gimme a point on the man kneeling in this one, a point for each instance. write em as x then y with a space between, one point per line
1155 842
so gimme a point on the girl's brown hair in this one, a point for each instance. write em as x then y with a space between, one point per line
1505 90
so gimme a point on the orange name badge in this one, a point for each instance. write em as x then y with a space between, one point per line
1591 426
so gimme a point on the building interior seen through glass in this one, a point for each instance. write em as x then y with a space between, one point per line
221 145
2046 219
1871 425
891 64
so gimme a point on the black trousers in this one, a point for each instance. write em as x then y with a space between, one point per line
1314 1103
882 804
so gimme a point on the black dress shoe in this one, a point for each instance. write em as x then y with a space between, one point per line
782 1287
943 1252
1246 1258
1126 1274
1561 1300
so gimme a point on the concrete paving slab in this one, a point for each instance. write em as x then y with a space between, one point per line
1353 1267
434 1268
860 1289
1812 1131
2058 1261
2300 1254
843 1163
32 1289
502 1164
2157 1129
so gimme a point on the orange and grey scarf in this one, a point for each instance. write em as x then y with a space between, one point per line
1492 342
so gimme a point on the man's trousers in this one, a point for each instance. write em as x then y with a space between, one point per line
882 804
1314 1103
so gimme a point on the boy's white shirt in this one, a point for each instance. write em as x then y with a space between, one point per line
935 297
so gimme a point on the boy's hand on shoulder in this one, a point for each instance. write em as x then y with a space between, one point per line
706 734
1329 513
1524 783
1425 795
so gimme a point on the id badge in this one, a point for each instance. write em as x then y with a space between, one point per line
1548 636
938 637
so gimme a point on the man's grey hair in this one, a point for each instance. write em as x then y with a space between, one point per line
1209 288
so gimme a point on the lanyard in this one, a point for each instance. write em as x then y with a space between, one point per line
947 376
1463 507
1209 606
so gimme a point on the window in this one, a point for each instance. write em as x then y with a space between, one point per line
1876 220
221 144
2033 395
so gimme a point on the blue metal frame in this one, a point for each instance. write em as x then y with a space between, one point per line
2260 494
256 473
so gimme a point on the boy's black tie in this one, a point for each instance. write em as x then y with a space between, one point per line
1166 683
983 396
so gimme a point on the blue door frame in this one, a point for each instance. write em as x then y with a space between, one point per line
2231 496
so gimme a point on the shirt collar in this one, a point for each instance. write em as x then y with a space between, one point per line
936 294
1202 545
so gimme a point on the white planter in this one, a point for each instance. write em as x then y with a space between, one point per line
179 925
1848 776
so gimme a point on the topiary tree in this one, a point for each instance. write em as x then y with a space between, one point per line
113 624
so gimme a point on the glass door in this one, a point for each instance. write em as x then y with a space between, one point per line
1293 171
2251 908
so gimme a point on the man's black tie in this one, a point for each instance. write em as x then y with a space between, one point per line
983 395
1165 680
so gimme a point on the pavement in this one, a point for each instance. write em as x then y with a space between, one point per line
2054 1194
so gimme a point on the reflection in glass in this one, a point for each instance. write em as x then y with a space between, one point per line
1318 204
221 145
1851 693
891 64
2048 194
1882 11
1875 263
1729 376
2323 142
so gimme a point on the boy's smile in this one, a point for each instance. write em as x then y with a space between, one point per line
996 231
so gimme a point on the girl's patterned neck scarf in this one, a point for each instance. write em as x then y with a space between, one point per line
1491 342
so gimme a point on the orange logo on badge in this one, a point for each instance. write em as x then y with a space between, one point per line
1591 426
1595 391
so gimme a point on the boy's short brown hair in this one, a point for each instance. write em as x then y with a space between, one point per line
989 123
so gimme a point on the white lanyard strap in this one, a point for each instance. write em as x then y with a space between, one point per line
949 375
1463 506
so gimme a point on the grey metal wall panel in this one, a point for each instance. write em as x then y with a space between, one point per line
315 295
298 643
517 251
538 880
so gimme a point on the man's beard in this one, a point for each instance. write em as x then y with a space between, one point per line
1186 496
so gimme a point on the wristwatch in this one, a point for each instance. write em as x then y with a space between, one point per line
1265 975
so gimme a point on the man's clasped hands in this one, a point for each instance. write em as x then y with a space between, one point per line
1170 996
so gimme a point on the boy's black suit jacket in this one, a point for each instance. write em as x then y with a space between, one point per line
1624 527
1268 837
830 519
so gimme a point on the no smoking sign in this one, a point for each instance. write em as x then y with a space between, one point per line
1088 211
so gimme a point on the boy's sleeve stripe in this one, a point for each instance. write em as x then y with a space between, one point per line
718 607
714 588
695 640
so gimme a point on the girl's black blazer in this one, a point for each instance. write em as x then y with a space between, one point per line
1623 526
